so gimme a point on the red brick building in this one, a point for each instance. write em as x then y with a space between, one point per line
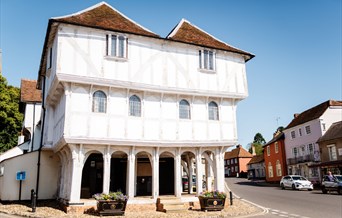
235 162
275 158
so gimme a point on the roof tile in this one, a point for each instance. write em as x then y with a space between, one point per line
28 91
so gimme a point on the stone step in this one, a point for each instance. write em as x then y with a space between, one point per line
170 205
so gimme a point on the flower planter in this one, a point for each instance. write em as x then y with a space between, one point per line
111 207
211 203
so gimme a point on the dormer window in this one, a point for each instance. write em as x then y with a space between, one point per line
206 60
116 46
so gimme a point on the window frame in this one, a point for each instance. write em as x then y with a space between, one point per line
99 106
270 170
278 168
308 129
268 150
276 147
184 110
134 101
213 111
332 152
293 134
205 55
118 53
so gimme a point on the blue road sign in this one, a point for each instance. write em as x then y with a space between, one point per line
21 175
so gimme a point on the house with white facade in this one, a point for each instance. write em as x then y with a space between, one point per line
302 134
125 109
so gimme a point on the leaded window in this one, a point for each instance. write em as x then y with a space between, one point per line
213 111
99 102
134 106
184 109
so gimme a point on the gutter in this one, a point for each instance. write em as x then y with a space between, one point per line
41 137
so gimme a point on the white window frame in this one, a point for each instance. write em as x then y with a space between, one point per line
293 134
278 168
295 151
99 102
276 147
270 170
332 152
213 111
134 106
300 131
268 150
308 129
184 109
205 56
118 54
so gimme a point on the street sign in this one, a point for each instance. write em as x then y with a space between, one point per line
21 175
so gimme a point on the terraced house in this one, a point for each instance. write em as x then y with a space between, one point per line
126 109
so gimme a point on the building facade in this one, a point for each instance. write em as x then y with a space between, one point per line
126 109
301 135
330 145
275 158
236 162
256 167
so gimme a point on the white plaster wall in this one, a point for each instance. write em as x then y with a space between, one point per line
28 162
159 117
81 51
31 118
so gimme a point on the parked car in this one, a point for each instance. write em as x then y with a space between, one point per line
186 184
335 185
295 182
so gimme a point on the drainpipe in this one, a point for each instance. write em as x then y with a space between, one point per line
41 137
33 125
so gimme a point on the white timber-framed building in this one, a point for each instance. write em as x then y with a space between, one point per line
125 109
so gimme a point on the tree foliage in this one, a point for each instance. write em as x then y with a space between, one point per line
258 143
10 117
259 139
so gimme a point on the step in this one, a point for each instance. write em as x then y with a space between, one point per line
170 205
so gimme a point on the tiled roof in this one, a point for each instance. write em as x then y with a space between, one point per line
28 91
313 113
275 138
237 152
189 33
334 132
257 159
103 16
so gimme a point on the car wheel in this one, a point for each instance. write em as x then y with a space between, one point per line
282 186
293 187
310 189
324 191
339 191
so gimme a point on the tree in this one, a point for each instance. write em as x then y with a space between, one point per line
10 117
258 143
259 139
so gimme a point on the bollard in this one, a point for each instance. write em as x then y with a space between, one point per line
231 197
33 201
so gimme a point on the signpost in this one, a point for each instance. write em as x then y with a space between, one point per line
21 175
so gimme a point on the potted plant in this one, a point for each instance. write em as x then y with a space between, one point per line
212 200
112 204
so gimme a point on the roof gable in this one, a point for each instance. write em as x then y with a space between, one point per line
256 159
188 33
313 113
334 132
104 16
29 92
238 152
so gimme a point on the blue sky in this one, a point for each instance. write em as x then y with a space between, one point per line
297 44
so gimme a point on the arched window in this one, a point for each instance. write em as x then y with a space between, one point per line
184 109
278 167
134 106
213 111
270 170
99 102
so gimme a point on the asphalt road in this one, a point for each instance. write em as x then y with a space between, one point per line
287 203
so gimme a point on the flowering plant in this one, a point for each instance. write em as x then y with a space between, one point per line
213 194
116 196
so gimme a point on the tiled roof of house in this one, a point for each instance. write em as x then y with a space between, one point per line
28 91
188 33
334 132
103 16
275 138
239 151
257 159
313 113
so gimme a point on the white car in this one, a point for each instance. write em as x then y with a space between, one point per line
295 182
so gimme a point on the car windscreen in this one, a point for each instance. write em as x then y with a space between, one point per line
298 178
